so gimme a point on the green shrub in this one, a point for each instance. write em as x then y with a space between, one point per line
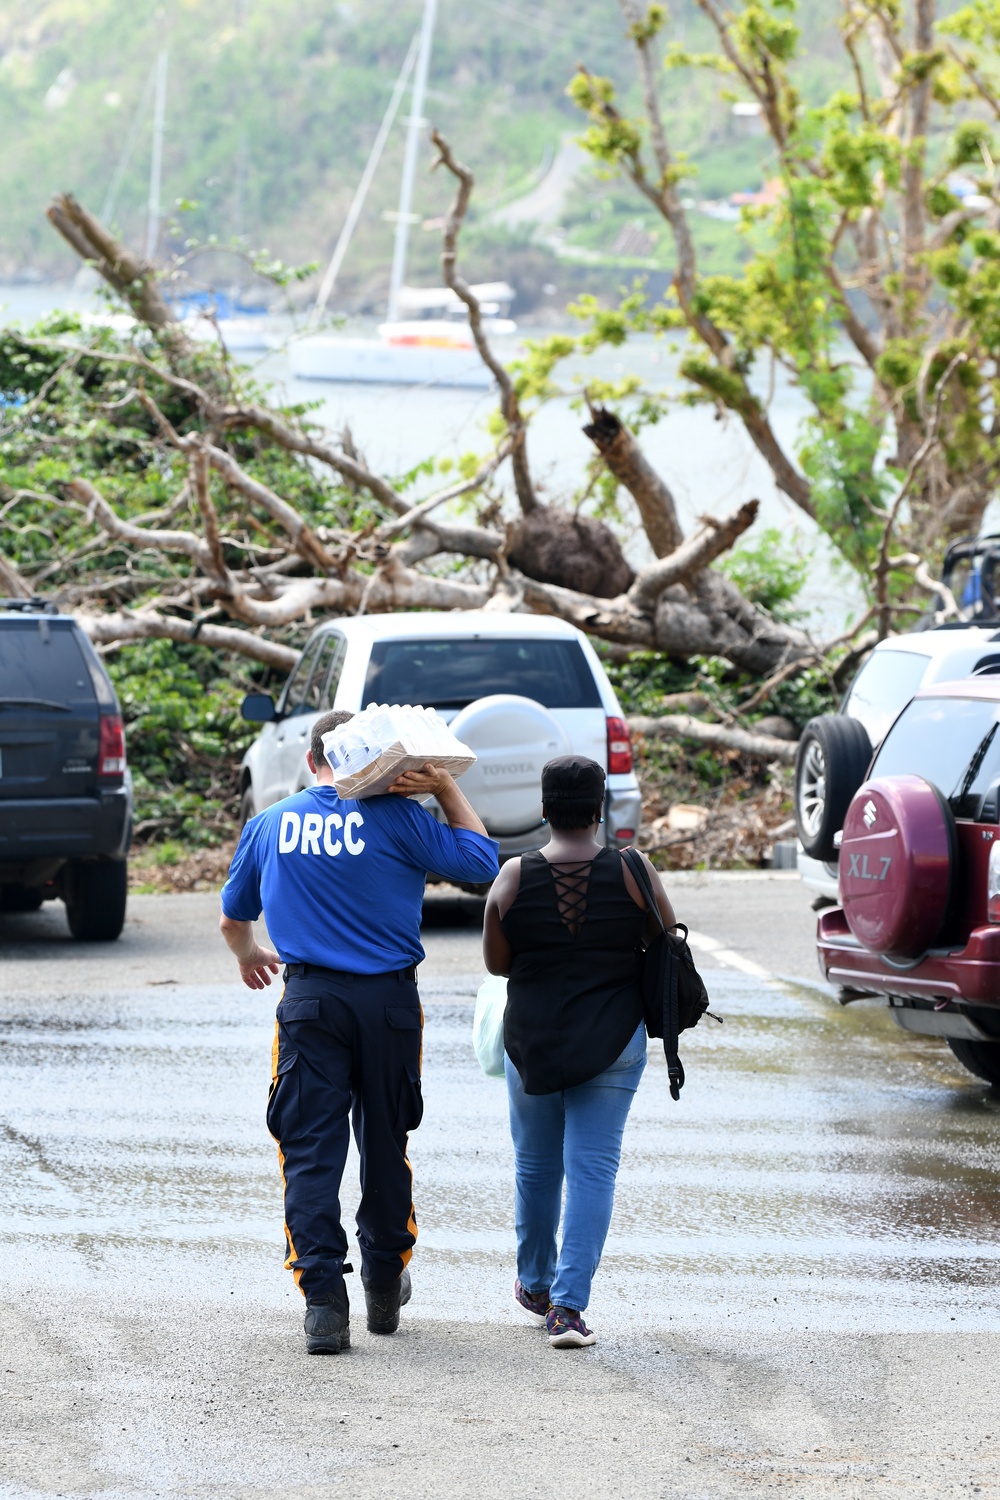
771 572
185 740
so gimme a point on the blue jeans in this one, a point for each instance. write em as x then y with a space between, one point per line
576 1134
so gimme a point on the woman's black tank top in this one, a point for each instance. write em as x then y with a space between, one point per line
573 996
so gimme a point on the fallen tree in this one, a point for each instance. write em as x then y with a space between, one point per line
258 521
718 736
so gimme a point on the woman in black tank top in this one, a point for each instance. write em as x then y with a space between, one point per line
566 925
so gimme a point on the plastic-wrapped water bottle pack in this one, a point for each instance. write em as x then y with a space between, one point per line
385 739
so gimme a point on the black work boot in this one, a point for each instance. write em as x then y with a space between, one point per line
328 1327
383 1304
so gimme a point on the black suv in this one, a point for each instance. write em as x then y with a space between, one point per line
65 792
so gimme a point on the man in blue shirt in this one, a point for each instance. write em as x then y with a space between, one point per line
341 887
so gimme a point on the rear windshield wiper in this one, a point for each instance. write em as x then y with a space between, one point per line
33 703
958 799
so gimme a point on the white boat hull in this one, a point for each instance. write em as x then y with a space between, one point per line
370 361
239 335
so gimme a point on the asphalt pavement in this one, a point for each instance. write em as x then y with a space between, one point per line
799 1291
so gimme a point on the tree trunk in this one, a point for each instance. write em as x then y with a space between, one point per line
573 551
632 468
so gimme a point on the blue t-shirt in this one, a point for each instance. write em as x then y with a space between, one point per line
341 883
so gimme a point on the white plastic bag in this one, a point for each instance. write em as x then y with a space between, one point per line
487 1025
378 744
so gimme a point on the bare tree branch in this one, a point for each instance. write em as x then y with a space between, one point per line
184 542
200 471
971 72
463 487
305 540
268 422
924 578
914 158
756 83
866 345
691 556
11 583
669 198
146 625
883 565
130 277
509 405
719 736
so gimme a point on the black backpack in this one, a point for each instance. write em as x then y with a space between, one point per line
674 997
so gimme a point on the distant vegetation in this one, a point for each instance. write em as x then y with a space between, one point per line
273 105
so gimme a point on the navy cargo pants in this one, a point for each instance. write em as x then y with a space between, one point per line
346 1046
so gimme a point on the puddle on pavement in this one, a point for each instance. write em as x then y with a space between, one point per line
822 1170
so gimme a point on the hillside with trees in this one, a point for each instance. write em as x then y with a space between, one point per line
272 106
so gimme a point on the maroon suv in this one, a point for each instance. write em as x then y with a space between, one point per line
919 919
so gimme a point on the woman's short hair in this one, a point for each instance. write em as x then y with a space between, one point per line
572 791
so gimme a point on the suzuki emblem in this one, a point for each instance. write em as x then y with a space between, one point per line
870 813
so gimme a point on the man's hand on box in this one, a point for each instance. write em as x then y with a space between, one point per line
451 799
431 781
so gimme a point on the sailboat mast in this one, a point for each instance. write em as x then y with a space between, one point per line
410 158
156 161
357 203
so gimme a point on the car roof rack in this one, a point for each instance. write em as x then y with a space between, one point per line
981 602
970 546
33 606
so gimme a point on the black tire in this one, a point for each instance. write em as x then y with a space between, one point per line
247 809
830 765
981 1058
95 895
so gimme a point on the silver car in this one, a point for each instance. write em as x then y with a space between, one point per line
518 689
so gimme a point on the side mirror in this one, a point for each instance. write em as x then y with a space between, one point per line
258 708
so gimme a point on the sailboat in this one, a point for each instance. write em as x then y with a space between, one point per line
432 346
206 316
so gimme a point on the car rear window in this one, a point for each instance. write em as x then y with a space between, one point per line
952 742
452 673
886 682
41 660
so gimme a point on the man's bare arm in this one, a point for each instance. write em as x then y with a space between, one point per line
453 802
256 962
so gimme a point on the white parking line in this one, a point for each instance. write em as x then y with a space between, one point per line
726 956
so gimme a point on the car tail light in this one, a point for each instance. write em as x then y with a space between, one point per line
111 755
993 884
619 748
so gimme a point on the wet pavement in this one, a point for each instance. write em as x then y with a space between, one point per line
799 1291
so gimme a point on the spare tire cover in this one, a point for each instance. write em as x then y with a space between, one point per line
513 737
897 861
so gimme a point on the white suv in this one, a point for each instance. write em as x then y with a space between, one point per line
835 750
519 689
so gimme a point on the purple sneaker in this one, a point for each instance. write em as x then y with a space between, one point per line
567 1330
535 1304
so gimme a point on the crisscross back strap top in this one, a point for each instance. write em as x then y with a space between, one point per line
572 880
581 904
